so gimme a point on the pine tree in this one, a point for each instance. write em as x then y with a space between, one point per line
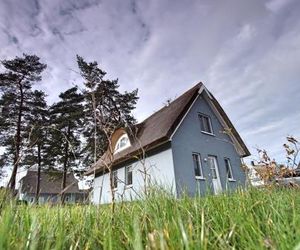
15 84
37 152
103 100
66 126
92 76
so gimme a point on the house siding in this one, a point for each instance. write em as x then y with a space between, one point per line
188 139
159 167
48 198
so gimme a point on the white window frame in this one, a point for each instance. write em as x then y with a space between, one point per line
200 115
118 147
226 159
201 176
115 175
127 170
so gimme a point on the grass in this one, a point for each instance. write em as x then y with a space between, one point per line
253 219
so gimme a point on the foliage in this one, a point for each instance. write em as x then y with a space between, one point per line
69 134
253 219
104 105
94 145
16 81
38 129
66 126
269 171
292 148
37 152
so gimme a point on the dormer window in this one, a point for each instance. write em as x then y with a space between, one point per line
122 143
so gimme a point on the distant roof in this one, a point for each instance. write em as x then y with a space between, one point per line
158 128
50 182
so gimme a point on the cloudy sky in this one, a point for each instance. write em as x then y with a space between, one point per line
246 52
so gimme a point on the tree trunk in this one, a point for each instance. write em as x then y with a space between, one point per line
95 127
64 180
38 181
17 140
111 179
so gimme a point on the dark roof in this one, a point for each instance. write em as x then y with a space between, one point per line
158 128
50 182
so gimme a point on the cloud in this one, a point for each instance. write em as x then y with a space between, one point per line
277 5
246 52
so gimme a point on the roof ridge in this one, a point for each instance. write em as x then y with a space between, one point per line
199 84
156 128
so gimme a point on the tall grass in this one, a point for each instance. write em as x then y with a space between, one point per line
253 219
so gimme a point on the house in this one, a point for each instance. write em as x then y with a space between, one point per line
50 188
254 178
188 146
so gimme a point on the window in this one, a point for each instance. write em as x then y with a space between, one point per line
197 165
115 179
128 175
122 143
212 163
228 169
205 124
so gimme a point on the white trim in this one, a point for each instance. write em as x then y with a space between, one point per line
210 123
115 172
199 160
128 186
226 159
203 88
124 147
217 184
236 144
126 168
171 137
200 178
207 133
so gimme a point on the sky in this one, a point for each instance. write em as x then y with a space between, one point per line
247 53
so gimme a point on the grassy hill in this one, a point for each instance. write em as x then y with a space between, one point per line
253 219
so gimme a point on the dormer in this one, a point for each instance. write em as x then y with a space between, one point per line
122 143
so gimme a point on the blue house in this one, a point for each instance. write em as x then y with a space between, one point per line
190 146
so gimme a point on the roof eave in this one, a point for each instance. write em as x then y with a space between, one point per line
240 141
133 155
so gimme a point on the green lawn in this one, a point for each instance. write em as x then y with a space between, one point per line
254 219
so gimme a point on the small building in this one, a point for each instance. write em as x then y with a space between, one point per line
189 145
263 174
292 178
50 188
